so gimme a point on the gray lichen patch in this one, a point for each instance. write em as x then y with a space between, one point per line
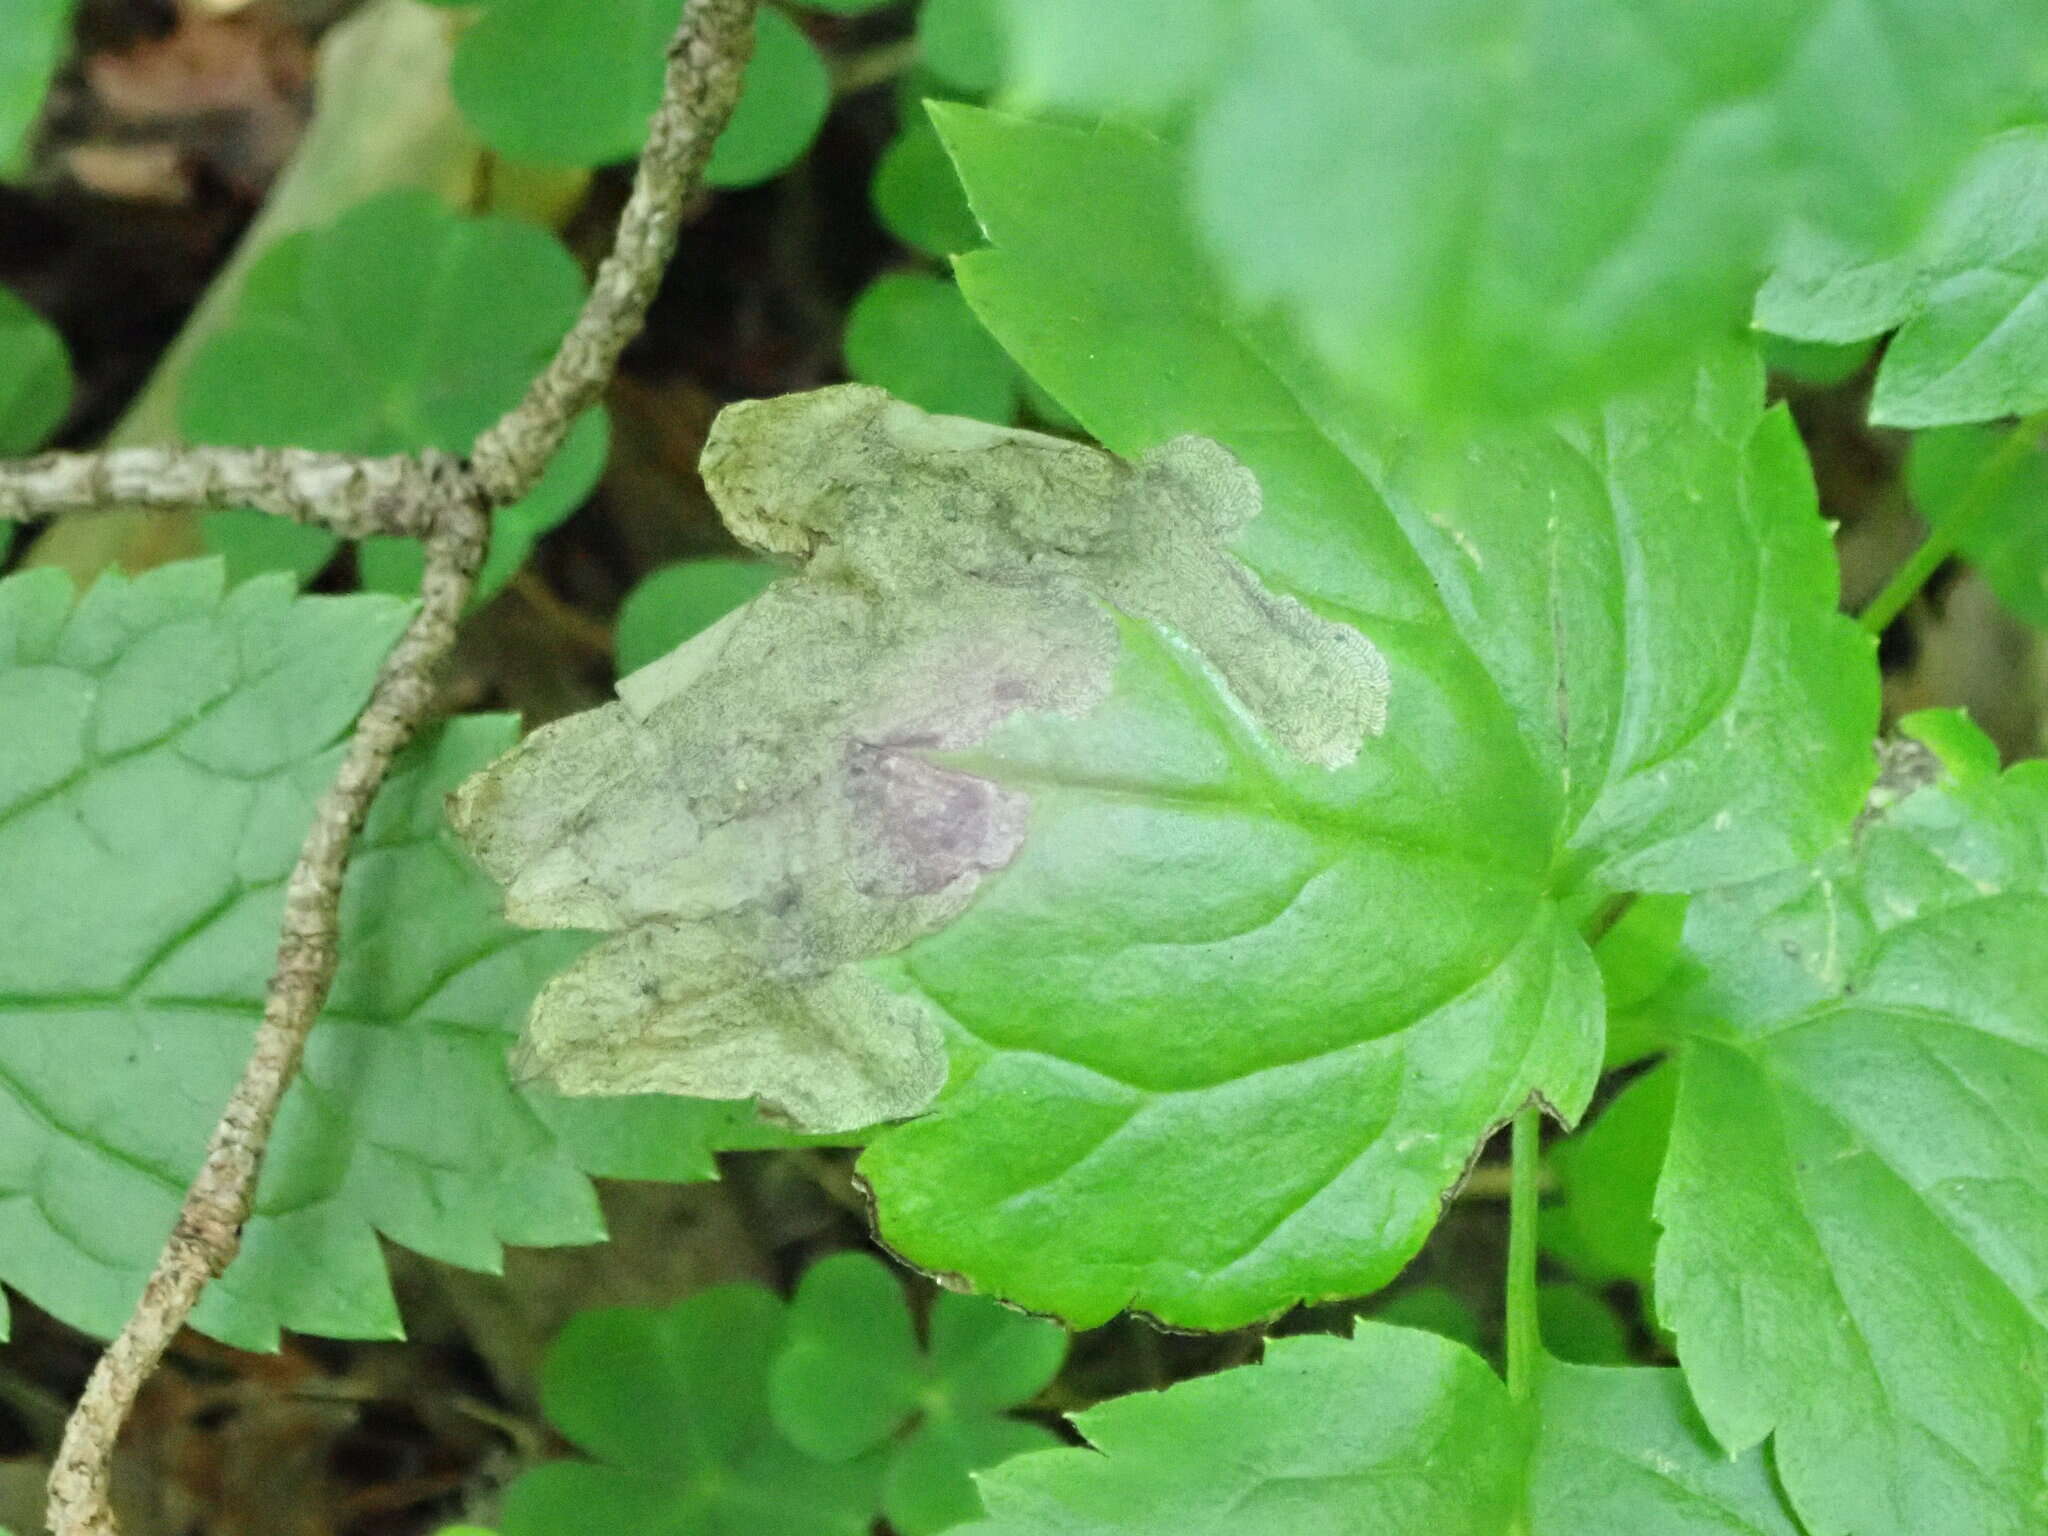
760 811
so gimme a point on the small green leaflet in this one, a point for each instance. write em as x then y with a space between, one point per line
917 196
674 1404
1973 341
1229 1028
35 377
398 327
1607 1176
165 743
1395 1432
732 1413
35 384
1855 1201
680 600
566 82
851 1379
913 335
38 38
963 42
1433 1307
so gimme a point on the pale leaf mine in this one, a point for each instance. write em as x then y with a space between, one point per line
757 815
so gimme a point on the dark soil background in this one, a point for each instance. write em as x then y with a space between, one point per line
158 147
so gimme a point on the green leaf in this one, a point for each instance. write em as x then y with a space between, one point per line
1972 342
1817 364
1435 1308
651 1136
1640 958
930 1483
847 7
1855 1200
1965 753
681 600
1623 1453
787 95
38 38
251 543
1581 1327
913 335
1230 1026
1499 208
851 1376
674 1404
35 377
918 197
848 1375
1607 1176
166 742
398 327
1883 99
1393 1431
985 1357
963 42
560 82
1504 209
1988 490
35 380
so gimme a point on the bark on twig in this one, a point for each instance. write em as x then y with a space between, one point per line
448 504
354 497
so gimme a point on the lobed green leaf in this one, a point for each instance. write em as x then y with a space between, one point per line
1396 1432
166 742
1230 1027
1972 342
1856 1194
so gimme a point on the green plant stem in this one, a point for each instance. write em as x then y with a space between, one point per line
1524 1337
1943 538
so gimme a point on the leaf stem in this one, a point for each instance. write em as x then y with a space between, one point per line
1524 1336
1944 537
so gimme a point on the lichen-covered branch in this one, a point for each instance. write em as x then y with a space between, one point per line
448 504
705 65
208 1232
354 497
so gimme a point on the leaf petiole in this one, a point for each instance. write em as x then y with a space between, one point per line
1944 537
1524 1337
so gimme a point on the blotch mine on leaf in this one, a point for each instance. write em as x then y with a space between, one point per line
761 811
